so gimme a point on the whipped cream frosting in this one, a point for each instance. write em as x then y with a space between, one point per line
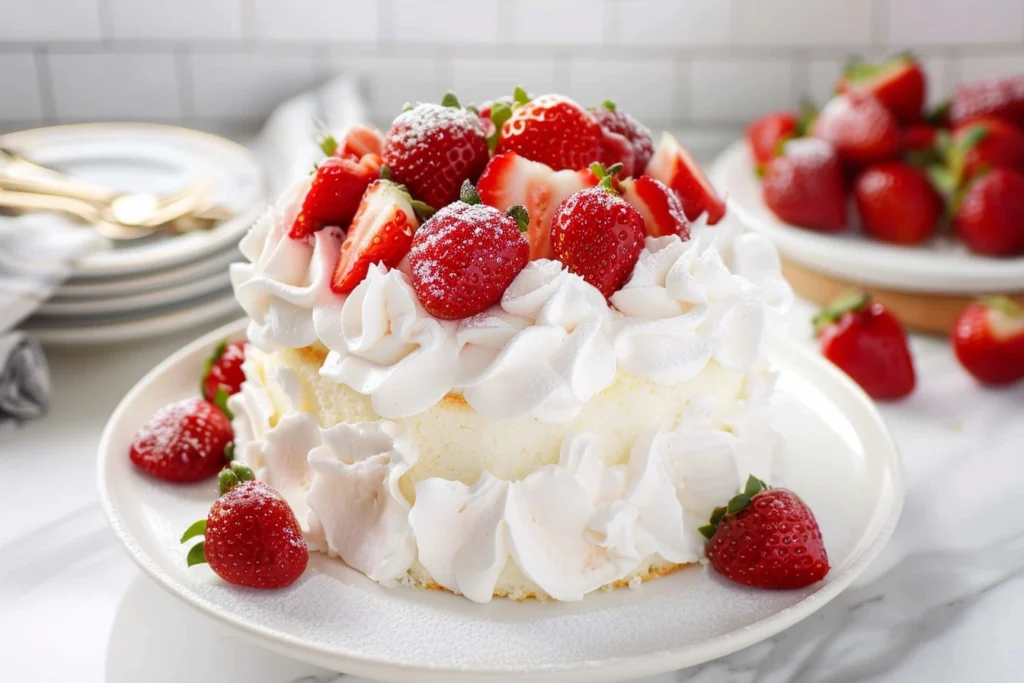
571 527
547 347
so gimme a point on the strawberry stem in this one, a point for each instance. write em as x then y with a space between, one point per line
229 452
520 96
606 176
218 351
500 113
450 100
737 504
520 215
1004 305
468 193
385 173
233 475
220 399
609 105
847 303
328 145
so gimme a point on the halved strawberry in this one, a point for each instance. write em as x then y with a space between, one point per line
511 179
359 140
898 83
381 232
335 193
662 211
673 165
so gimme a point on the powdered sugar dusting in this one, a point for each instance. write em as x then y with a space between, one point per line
428 122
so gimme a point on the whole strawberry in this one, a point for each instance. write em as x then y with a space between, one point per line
983 144
223 374
990 215
804 186
898 83
860 128
433 148
598 235
766 538
868 343
333 197
252 538
553 130
766 135
623 139
999 97
186 441
988 338
464 258
673 165
897 203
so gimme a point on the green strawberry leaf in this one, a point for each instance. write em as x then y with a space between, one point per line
196 554
197 529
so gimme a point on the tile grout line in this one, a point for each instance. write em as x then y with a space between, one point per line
44 81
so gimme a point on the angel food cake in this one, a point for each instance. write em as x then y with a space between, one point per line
481 362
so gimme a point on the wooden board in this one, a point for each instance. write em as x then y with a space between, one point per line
930 313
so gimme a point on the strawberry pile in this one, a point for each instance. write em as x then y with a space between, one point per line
466 197
911 175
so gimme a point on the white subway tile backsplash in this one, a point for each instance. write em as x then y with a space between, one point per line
393 81
456 22
803 23
565 22
246 86
52 20
178 20
316 20
19 84
115 86
933 22
657 22
477 80
644 88
735 91
975 68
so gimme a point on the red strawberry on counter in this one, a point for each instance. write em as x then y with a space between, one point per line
511 179
898 83
186 441
660 207
624 140
999 97
464 258
988 339
897 203
766 135
990 214
673 165
598 235
360 140
804 186
766 538
251 536
860 128
381 232
433 148
334 195
868 343
553 130
223 374
985 143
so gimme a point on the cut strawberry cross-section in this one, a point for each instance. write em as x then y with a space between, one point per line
673 165
334 195
662 211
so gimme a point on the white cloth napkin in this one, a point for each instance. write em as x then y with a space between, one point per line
24 380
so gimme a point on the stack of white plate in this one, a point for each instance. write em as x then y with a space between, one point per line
156 285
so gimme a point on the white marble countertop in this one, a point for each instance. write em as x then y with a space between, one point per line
945 601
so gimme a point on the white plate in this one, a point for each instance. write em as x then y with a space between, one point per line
942 266
839 457
61 332
137 157
136 303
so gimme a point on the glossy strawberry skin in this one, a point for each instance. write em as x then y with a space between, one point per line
673 165
381 232
991 354
990 218
899 84
552 130
464 258
625 141
333 196
1001 144
918 137
897 203
870 346
773 543
999 97
432 149
660 207
226 371
511 179
766 135
805 186
183 442
859 127
252 538
598 236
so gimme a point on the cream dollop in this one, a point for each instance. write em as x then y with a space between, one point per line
543 351
385 345
284 277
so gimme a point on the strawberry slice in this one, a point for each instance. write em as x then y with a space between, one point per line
673 165
381 232
511 179
335 193
360 140
660 207
898 83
